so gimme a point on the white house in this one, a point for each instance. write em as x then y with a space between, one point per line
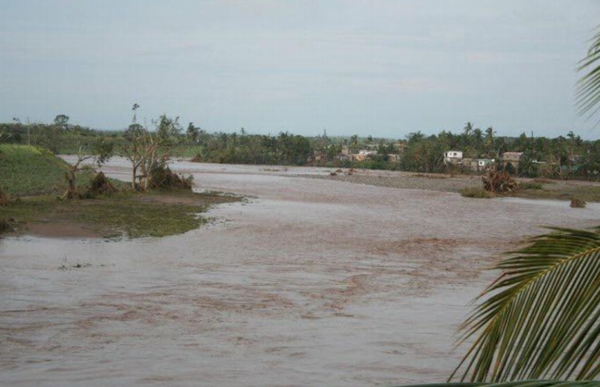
453 157
363 154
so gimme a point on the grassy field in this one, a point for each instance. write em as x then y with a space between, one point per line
125 215
34 178
28 170
558 190
544 189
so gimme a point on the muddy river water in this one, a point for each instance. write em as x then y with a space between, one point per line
307 283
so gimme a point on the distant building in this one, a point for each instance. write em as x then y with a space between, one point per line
363 154
393 157
401 146
512 157
484 163
477 164
453 157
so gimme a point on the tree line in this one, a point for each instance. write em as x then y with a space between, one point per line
566 156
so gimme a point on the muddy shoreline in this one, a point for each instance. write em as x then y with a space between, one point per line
310 283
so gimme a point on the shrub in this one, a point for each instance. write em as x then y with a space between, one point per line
475 192
531 185
100 185
577 203
3 197
163 178
499 182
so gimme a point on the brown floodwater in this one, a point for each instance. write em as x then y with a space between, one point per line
307 283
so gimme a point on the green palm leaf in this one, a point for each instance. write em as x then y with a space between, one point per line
541 318
526 383
588 87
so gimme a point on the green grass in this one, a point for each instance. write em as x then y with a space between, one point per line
475 192
29 209
134 218
27 170
124 215
37 178
561 191
531 185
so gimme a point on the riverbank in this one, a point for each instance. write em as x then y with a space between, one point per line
36 199
547 189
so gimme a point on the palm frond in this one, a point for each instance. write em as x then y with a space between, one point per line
588 87
525 383
541 318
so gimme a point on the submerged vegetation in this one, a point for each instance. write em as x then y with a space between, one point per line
35 179
475 192
125 214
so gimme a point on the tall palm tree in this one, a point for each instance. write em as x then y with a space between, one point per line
541 318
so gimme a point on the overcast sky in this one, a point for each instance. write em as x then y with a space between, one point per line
379 67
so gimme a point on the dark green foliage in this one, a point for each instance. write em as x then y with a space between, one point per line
531 185
540 318
562 157
163 178
100 185
472 192
423 154
5 226
524 383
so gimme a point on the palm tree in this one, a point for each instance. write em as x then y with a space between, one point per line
588 87
541 318
489 136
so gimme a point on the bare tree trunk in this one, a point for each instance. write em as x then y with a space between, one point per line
133 173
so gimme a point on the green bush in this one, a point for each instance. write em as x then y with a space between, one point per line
475 192
531 185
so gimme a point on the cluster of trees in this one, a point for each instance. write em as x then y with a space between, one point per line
234 148
60 136
560 157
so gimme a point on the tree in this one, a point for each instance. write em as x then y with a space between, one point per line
148 150
61 121
134 149
192 132
101 152
489 136
541 317
134 108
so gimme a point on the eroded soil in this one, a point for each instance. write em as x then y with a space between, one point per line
310 283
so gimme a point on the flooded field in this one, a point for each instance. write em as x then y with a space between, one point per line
309 282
